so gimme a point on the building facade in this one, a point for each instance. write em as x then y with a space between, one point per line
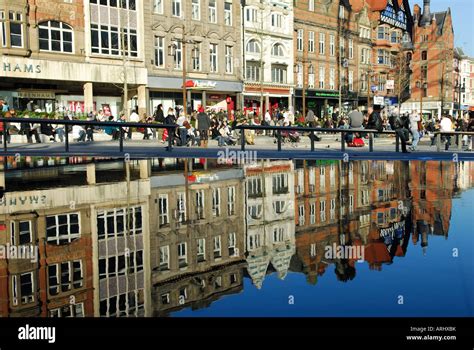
433 78
201 37
268 56
68 56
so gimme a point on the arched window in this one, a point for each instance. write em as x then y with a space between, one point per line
277 50
55 36
253 46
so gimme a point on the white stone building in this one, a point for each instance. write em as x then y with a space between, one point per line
268 54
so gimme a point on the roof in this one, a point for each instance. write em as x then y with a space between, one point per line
440 18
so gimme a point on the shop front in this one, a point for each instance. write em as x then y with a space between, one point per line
66 87
273 98
324 102
218 96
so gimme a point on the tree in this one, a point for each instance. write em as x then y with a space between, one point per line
401 74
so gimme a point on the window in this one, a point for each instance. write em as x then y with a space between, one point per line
279 207
164 258
196 10
277 50
212 11
311 5
61 229
351 80
73 310
279 74
424 38
216 201
424 55
332 211
322 210
383 57
351 49
255 211
252 71
55 36
127 304
232 244
21 233
230 200
301 217
229 59
322 177
311 77
176 8
254 187
341 12
158 6
201 249
280 183
159 51
213 57
253 47
364 33
332 45
394 37
199 204
332 79
312 213
217 247
322 74
113 222
182 256
342 47
165 298
383 33
278 234
163 209
277 20
68 275
3 29
23 288
228 13
253 241
299 40
365 56
115 36
311 41
251 15
197 57
178 55
322 43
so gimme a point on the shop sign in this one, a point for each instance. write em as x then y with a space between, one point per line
379 100
326 94
200 84
389 16
34 94
78 106
21 68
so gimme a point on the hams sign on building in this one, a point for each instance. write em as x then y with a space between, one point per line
396 19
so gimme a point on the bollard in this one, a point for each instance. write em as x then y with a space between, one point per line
66 134
170 139
312 141
4 136
459 140
371 142
343 142
279 140
121 140
242 139
397 142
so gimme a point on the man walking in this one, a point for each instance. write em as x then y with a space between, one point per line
204 123
414 119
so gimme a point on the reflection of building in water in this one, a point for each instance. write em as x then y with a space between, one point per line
82 236
197 236
432 186
270 239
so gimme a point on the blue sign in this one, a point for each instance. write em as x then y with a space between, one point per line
393 18
373 88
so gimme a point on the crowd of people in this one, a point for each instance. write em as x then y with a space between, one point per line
200 126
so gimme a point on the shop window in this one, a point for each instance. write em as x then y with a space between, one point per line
11 29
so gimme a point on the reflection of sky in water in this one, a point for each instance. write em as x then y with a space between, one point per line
436 284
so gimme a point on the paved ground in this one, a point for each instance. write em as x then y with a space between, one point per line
328 148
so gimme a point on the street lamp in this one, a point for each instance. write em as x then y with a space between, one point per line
172 51
461 88
303 87
422 86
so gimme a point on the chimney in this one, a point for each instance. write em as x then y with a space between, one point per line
426 18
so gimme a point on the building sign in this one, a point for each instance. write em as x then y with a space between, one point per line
78 106
390 16
21 68
396 230
23 200
325 94
37 94
390 84
200 84
379 100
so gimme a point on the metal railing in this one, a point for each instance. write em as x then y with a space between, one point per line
312 136
457 134
119 125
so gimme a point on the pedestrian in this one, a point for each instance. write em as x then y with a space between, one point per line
159 117
446 125
310 118
414 119
203 125
401 125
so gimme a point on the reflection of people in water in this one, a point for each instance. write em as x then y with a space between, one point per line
344 271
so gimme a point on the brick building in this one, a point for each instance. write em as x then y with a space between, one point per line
433 78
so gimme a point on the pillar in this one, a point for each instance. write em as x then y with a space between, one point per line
2 179
88 97
145 168
267 106
90 169
142 98
204 104
189 102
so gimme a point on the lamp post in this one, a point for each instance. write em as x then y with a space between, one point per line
303 83
421 85
461 88
369 87
172 51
